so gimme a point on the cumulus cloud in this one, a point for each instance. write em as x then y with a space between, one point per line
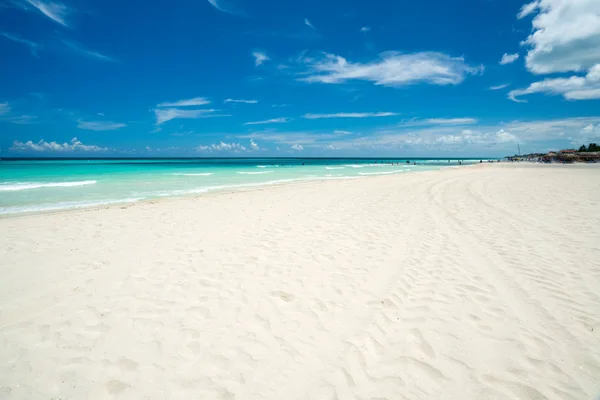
74 145
565 37
350 115
297 147
196 101
391 69
222 146
468 136
56 11
167 114
259 58
573 88
241 101
279 120
33 47
99 125
429 139
509 58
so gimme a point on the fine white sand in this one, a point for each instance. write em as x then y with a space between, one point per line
478 282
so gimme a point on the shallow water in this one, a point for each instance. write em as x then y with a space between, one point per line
30 186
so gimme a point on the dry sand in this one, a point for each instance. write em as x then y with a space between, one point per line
472 283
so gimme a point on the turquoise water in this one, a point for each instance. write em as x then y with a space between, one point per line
32 186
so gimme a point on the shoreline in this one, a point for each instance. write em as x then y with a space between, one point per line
259 186
240 189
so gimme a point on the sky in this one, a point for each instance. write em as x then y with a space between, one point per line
326 78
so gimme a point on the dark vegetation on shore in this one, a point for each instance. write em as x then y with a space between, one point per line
589 154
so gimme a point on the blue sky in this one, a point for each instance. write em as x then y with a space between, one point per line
313 78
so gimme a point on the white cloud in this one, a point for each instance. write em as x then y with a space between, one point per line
350 115
566 35
342 132
225 6
196 101
365 29
279 120
55 11
23 119
297 147
509 58
4 108
468 136
392 69
241 101
33 47
331 147
307 23
499 87
88 53
167 114
528 9
253 145
99 125
497 139
73 146
259 58
450 121
222 146
573 88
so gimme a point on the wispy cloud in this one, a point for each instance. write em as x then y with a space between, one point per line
56 11
528 9
438 121
23 119
573 88
99 125
259 58
297 147
226 7
342 132
365 29
167 114
391 69
450 121
280 120
307 23
350 115
33 47
43 146
88 53
509 58
4 108
196 101
241 101
499 87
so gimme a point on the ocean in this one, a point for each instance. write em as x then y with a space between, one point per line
35 186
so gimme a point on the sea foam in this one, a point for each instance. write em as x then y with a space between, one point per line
198 174
64 205
16 186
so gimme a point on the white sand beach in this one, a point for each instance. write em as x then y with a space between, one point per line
478 282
